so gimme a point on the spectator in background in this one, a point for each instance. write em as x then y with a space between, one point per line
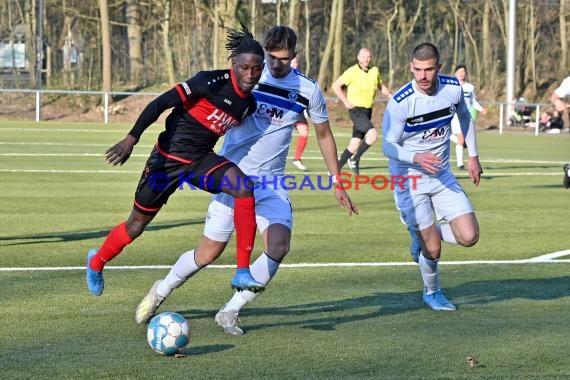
562 107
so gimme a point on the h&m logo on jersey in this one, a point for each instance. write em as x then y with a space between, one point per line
220 121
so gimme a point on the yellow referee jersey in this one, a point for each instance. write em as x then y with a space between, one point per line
361 85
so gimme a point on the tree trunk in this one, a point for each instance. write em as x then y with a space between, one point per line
294 13
166 47
308 52
105 44
225 19
337 51
324 68
391 47
134 35
486 64
564 15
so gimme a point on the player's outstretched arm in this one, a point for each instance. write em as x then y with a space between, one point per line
475 170
121 151
327 144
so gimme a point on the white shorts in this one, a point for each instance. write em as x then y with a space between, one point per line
442 196
272 206
455 126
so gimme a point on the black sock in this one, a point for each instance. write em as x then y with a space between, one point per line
344 157
361 149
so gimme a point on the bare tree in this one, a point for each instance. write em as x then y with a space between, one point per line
135 37
105 44
564 16
338 33
166 45
224 18
323 70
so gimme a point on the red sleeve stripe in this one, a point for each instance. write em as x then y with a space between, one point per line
172 156
146 208
181 93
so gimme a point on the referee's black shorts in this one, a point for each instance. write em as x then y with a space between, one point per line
361 120
164 174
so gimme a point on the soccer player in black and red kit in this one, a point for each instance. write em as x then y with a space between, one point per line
205 107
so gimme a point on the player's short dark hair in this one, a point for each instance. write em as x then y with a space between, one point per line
239 42
425 51
279 38
460 67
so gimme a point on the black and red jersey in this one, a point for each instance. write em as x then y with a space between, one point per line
205 107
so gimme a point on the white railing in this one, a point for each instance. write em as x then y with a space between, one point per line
505 109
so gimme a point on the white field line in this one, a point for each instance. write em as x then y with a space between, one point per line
316 157
550 258
61 144
77 171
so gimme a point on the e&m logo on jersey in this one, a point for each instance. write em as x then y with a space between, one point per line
293 95
264 109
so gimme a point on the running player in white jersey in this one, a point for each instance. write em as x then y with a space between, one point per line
562 106
473 106
260 149
416 130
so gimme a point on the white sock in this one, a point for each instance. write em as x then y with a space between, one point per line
453 138
180 272
263 270
459 154
446 233
430 274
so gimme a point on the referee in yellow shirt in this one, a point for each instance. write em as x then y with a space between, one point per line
361 82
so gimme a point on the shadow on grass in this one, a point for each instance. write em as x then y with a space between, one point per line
83 235
205 350
320 315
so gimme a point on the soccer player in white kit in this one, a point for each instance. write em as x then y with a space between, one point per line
473 106
562 106
259 147
416 130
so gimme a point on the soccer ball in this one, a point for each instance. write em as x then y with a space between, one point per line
168 333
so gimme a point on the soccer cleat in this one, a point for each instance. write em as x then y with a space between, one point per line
415 246
461 167
566 181
228 321
149 304
243 280
299 165
354 165
95 282
438 301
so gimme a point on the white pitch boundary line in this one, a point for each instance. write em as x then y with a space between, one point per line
550 258
66 171
368 158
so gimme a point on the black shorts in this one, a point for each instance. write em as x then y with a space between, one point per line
162 176
361 121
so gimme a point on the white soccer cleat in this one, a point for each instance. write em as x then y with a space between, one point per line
148 306
299 165
228 321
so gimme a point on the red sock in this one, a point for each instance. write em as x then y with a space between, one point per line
117 239
244 221
301 144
